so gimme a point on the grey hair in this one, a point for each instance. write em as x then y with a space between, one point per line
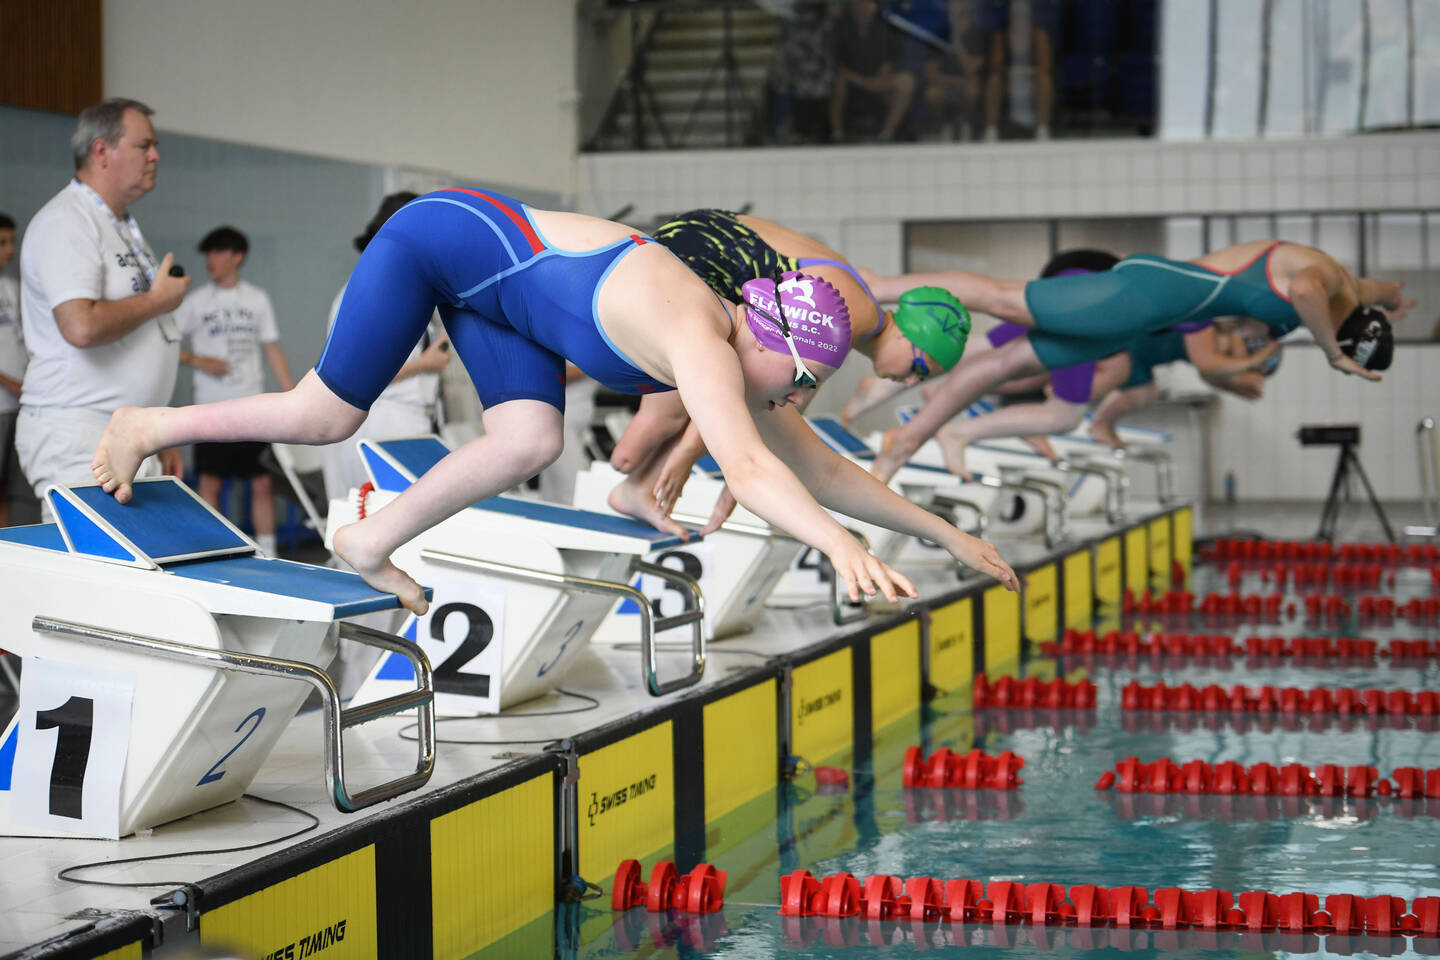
103 121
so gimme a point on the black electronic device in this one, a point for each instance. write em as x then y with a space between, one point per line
1330 434
176 270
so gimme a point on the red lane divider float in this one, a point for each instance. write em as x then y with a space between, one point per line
1170 602
1131 643
927 899
1319 551
702 890
1264 779
1242 699
976 770
1032 692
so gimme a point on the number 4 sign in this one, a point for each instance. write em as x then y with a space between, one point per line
74 735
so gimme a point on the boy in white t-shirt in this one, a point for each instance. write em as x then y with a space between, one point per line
12 361
227 322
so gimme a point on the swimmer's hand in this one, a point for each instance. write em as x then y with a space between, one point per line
1395 302
1260 357
724 506
981 555
670 482
864 573
1347 366
166 291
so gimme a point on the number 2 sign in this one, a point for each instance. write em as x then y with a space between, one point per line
74 729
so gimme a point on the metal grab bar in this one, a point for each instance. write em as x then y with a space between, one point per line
337 719
1429 463
839 601
952 503
649 625
1114 477
734 526
1429 478
1052 499
1164 465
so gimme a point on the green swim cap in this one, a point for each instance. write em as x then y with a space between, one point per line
936 322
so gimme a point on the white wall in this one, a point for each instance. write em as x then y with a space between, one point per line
480 89
860 198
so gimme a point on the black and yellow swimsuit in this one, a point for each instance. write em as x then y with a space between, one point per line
725 253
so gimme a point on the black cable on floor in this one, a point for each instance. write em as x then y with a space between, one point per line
65 873
411 731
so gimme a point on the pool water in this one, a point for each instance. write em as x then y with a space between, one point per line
1058 828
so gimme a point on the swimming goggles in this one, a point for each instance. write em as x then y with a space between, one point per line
803 376
918 367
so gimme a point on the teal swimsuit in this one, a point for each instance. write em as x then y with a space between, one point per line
1151 351
1084 317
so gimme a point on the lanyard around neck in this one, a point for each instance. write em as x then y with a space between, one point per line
128 231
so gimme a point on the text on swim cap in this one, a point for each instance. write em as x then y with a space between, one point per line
792 312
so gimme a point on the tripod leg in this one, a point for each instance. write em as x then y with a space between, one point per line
1331 511
1374 500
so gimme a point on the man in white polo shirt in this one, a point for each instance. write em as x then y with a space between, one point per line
95 302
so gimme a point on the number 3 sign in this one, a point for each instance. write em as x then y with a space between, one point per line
74 731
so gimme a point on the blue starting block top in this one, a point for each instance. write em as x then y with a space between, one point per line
396 464
346 592
835 434
164 522
166 525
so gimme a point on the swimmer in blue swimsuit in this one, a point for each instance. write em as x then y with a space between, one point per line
1078 319
521 291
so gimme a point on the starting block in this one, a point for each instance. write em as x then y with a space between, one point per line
161 651
537 577
925 480
737 566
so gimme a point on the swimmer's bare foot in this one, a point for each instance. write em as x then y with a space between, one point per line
1041 445
1105 433
628 498
895 451
871 392
126 442
354 547
953 443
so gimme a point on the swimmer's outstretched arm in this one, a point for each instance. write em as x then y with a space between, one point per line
1203 350
707 374
1389 294
850 489
1310 292
1004 299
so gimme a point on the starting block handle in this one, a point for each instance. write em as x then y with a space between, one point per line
566 581
1115 479
733 526
1164 465
694 617
1052 499
952 502
838 600
335 718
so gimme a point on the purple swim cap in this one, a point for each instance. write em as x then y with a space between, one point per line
819 320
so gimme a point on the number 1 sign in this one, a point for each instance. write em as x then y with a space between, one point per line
74 735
